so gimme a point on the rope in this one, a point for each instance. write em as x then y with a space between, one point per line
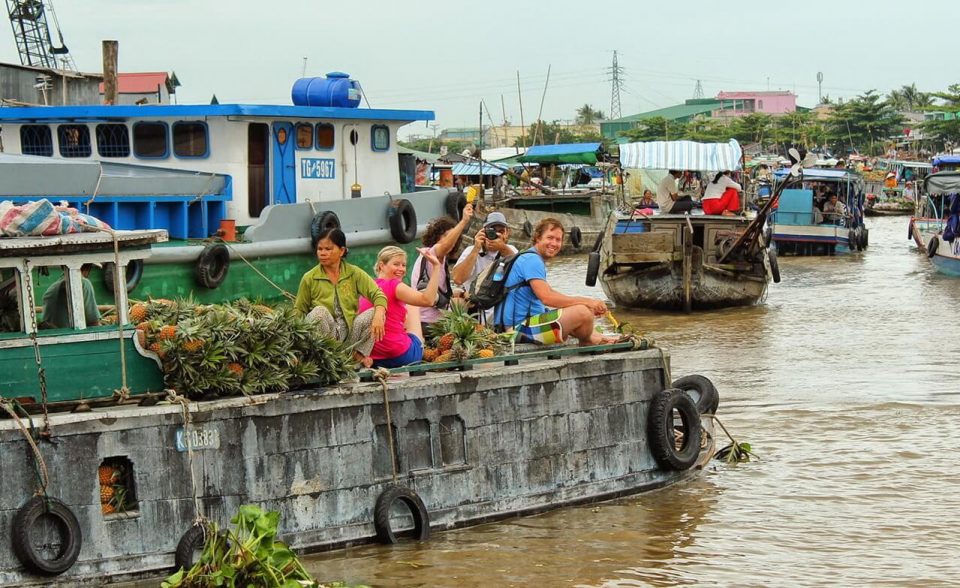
41 372
124 392
381 374
96 189
173 397
40 467
286 294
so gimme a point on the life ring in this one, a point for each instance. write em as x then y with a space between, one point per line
701 390
932 246
864 239
593 268
403 221
454 205
576 237
528 228
322 221
774 265
660 424
68 528
381 514
852 240
212 265
134 273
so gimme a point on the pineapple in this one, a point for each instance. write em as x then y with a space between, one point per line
143 326
236 368
142 338
106 494
168 332
155 347
107 475
138 313
485 353
446 342
108 508
444 357
193 345
430 354
262 309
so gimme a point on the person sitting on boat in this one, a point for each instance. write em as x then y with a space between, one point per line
668 198
402 342
56 303
890 181
647 201
722 195
485 250
524 309
441 239
833 210
908 192
330 294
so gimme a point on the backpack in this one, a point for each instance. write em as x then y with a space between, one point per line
443 289
490 287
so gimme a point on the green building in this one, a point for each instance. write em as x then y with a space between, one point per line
702 107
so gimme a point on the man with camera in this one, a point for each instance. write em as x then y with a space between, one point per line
489 243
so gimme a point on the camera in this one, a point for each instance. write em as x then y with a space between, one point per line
491 233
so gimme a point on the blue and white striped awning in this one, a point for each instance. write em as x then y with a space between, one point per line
682 155
473 169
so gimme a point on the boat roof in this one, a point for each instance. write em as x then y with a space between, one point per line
564 153
947 182
98 241
948 159
822 174
682 155
101 112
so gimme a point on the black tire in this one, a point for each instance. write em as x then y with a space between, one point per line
932 246
528 228
910 230
213 265
701 390
381 514
599 242
661 430
852 240
66 524
774 265
864 238
576 237
321 222
403 221
190 544
134 275
768 236
454 205
593 268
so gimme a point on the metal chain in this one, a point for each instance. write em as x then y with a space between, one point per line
41 373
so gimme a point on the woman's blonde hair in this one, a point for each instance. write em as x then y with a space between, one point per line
386 254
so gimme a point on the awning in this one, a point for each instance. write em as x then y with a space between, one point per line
942 183
682 155
473 169
814 173
565 153
946 159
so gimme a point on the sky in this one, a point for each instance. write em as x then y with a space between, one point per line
449 57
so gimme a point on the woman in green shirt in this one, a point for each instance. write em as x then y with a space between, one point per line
330 294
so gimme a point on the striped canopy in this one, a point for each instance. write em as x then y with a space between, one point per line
682 155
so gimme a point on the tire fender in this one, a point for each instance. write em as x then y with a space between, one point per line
932 246
852 240
701 390
910 230
381 514
774 265
192 543
528 228
134 274
593 268
69 529
576 237
213 265
660 430
322 221
403 221
454 204
864 238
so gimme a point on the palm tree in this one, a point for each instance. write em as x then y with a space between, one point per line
586 115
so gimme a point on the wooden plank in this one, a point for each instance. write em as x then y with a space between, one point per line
657 242
646 257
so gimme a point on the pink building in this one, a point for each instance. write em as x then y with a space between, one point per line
743 103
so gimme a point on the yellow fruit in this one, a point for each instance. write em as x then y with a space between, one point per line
107 475
430 354
143 326
106 494
193 345
108 508
485 353
263 309
168 332
446 342
154 347
138 312
236 368
444 357
142 338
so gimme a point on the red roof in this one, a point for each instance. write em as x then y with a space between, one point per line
140 83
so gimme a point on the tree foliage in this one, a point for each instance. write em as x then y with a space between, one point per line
863 123
552 133
586 115
945 128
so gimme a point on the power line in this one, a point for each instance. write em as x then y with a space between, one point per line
615 71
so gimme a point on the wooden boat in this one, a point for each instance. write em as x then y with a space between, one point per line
683 261
936 226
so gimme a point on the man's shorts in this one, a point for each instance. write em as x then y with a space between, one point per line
542 329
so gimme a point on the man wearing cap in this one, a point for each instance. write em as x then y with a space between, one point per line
484 250
56 302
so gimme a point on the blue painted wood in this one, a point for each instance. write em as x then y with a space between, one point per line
284 164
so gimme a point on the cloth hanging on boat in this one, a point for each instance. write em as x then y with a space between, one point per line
682 155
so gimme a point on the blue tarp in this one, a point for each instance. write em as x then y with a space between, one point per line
946 159
473 169
565 153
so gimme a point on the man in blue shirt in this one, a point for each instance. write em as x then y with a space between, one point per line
525 307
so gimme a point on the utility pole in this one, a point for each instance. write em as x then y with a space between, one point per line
819 87
698 91
616 74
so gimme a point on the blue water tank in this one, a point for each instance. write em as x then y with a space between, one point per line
337 89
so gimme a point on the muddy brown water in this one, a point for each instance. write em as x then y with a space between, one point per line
844 381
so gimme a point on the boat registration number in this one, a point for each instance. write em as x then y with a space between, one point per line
318 169
200 438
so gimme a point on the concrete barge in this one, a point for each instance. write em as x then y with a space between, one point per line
467 446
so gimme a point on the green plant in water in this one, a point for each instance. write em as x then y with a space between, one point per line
249 555
736 452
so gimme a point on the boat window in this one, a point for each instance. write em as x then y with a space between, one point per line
190 139
113 140
36 140
325 137
150 140
380 137
304 136
74 140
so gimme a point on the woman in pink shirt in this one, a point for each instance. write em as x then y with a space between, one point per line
402 342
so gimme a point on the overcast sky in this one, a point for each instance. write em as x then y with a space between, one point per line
448 56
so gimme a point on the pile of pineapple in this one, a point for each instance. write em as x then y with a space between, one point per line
458 336
113 492
237 348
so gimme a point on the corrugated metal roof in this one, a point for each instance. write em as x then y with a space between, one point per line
473 169
671 112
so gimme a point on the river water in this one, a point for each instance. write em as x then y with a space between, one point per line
844 383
